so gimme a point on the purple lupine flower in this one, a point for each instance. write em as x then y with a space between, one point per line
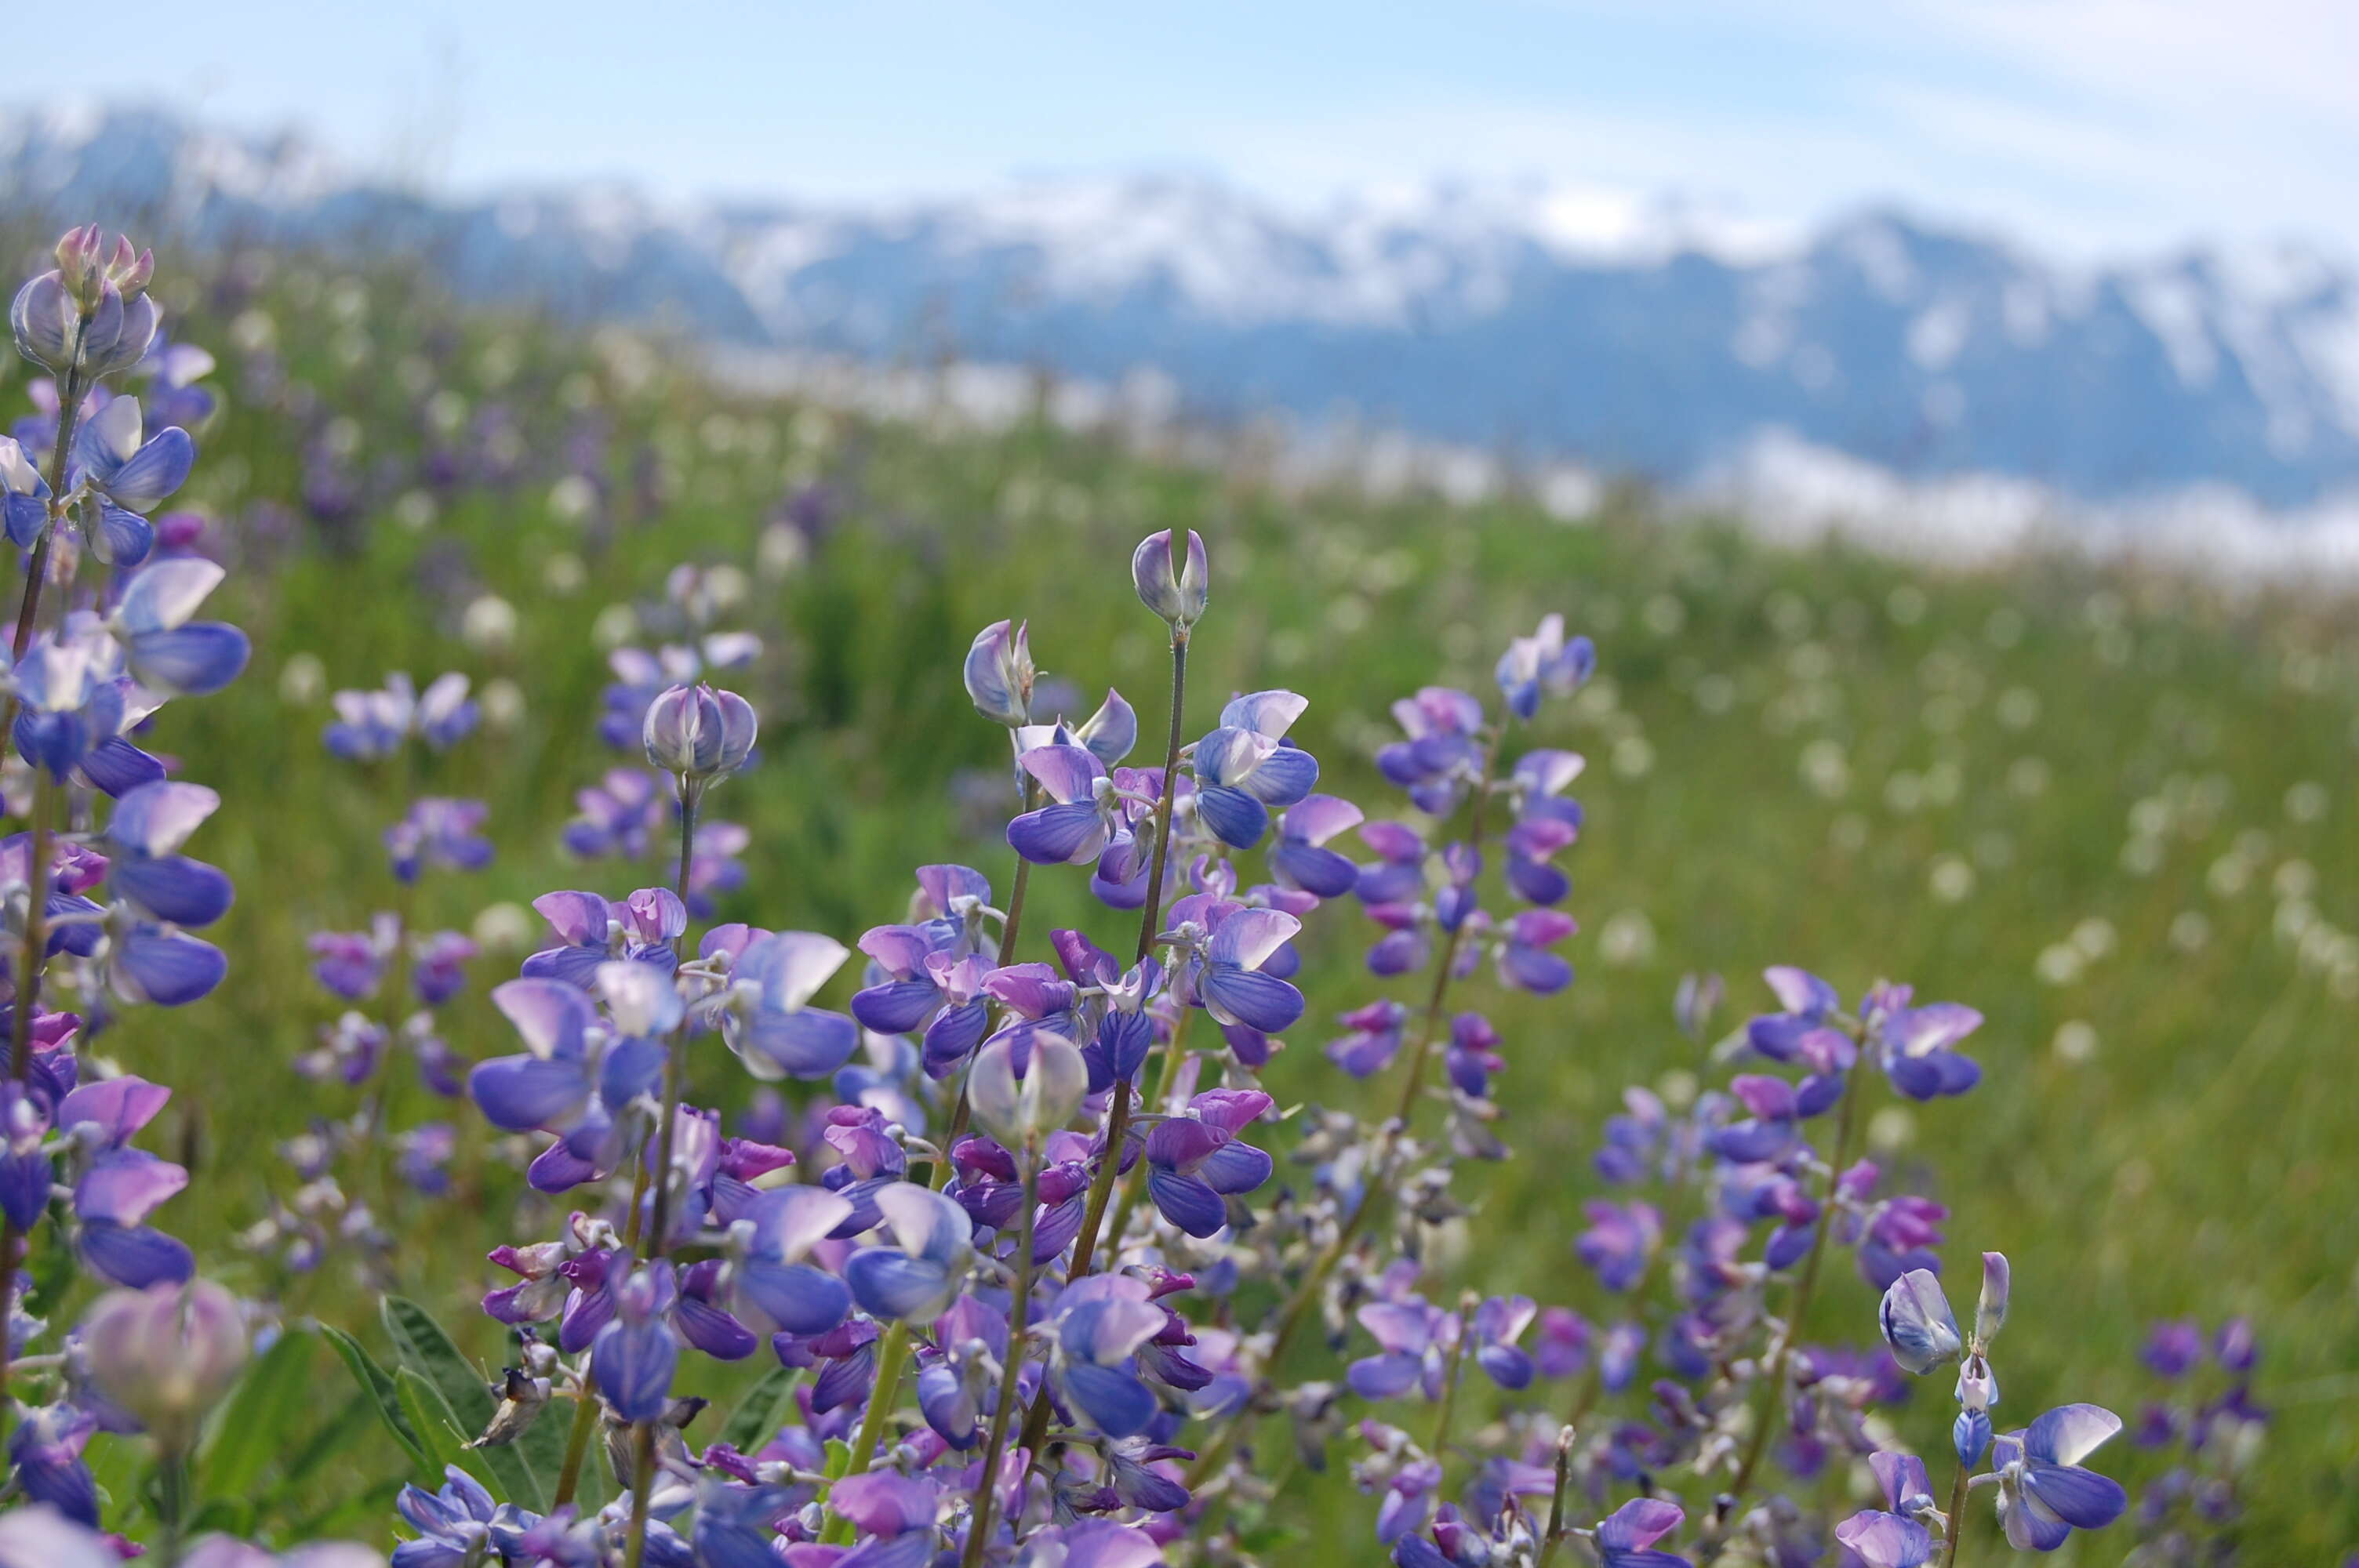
1398 874
1075 829
1543 661
619 814
2174 1350
120 1186
1440 757
1230 944
1908 1490
953 1384
1524 960
144 865
635 1355
166 1354
45 1451
349 1050
1374 1038
1880 1540
1246 766
1912 1045
92 311
1196 1162
1917 1324
1472 1054
349 964
127 474
24 496
439 831
2235 1348
1098 1323
453 1523
768 1023
163 649
1620 1240
1300 859
1900 1236
1632 1137
1770 1131
440 968
735 1526
2044 1493
917 1277
1810 1006
1499 1322
1565 1340
566 1083
999 674
1625 1538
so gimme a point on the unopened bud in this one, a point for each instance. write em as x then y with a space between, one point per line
1990 1312
1019 1112
1176 591
999 674
166 1354
698 733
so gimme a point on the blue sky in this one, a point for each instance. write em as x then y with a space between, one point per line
2088 126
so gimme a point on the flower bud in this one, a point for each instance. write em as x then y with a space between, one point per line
999 674
1019 1111
1977 1388
696 732
166 1354
1178 591
1917 1323
43 319
1990 1312
1970 1434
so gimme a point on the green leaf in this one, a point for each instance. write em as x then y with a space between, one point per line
377 1384
762 1412
425 1349
432 1420
259 1420
839 1459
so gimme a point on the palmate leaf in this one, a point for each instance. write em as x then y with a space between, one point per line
424 1348
378 1384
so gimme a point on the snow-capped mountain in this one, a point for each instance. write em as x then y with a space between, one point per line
1656 340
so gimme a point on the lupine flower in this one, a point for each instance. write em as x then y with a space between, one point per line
372 725
45 1451
1524 961
2174 1350
1912 1045
2044 1493
143 838
1620 1239
1625 1538
164 650
91 313
696 733
1917 1324
1398 874
919 1276
453 1522
639 675
1082 818
768 1023
573 1080
439 831
1374 1038
617 816
1098 1323
1194 1163
1225 976
120 1186
1180 596
1498 1323
1439 759
1020 1106
635 1354
1812 1006
1885 1541
166 1354
1301 859
24 496
1543 661
1244 767
999 674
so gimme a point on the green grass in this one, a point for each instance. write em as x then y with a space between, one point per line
1790 750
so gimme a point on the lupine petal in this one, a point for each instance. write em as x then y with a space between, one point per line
2069 1433
1119 1404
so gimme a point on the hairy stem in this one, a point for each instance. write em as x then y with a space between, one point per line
577 1438
172 1498
1554 1535
986 1493
1955 1531
892 1358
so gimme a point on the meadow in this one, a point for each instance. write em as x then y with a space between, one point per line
2111 809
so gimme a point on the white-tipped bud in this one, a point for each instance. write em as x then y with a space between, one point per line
698 733
166 1354
999 674
1020 1111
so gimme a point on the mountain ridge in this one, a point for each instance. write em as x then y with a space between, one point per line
1631 338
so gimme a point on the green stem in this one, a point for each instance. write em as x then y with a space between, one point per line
577 1438
1151 917
172 1499
1011 931
892 1356
1554 1535
1805 1286
986 1495
71 388
1955 1531
642 1486
1133 1185
1451 1378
